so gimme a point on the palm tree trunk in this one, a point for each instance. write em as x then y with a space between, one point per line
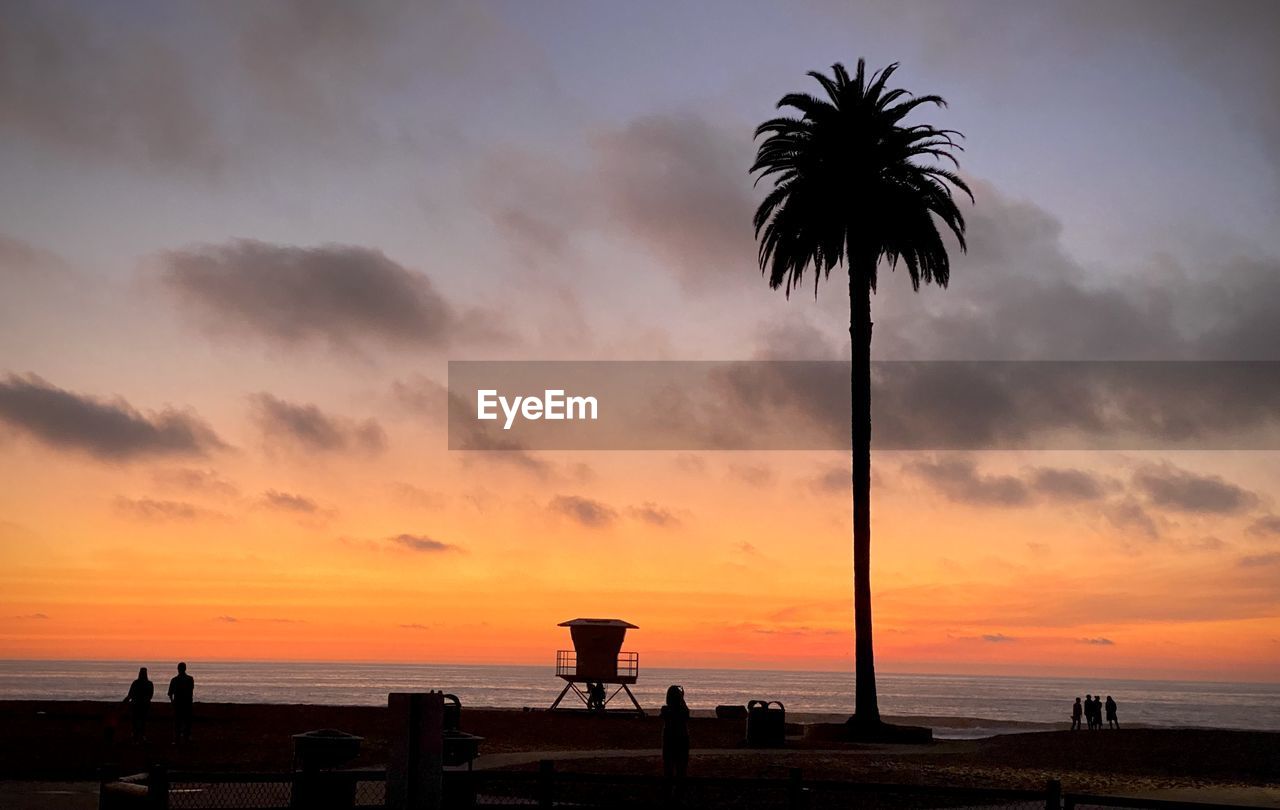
866 707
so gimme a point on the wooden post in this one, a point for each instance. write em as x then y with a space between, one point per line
546 783
415 762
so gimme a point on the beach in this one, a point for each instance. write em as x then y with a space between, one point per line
54 749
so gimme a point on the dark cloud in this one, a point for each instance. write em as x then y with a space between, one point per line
959 480
678 186
1067 484
1169 487
997 638
340 295
289 502
242 86
32 617
1019 294
1127 514
654 514
108 430
307 428
159 511
422 543
1099 641
71 81
1265 526
414 626
590 513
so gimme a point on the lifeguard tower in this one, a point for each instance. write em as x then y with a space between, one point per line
597 658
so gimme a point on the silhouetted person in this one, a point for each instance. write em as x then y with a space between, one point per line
182 693
595 696
675 739
1111 713
1097 712
1076 711
139 700
1088 711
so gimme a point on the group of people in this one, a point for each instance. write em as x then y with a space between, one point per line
182 691
1091 710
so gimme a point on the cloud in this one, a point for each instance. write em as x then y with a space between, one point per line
414 626
1171 488
1099 641
997 638
341 295
288 502
422 396
126 93
1260 560
655 515
252 620
1128 514
36 617
159 511
959 480
590 513
1265 526
1067 484
107 430
17 258
678 185
207 482
422 543
756 475
239 87
835 480
307 428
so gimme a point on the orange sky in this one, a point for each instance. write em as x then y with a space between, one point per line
723 559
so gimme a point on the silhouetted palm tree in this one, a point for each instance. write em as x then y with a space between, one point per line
852 184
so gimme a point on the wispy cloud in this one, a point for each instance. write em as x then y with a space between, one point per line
586 511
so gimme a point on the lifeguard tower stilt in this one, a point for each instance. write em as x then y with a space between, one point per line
597 658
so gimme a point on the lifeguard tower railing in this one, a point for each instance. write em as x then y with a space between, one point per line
628 667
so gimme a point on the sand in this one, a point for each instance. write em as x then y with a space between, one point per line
54 740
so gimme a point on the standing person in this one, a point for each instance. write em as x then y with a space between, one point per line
182 693
1111 713
139 700
675 738
1088 711
1076 711
1097 712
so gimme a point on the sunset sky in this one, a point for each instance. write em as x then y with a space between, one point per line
239 244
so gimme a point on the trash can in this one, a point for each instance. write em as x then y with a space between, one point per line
316 782
452 713
766 725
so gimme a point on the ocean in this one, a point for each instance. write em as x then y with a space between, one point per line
962 706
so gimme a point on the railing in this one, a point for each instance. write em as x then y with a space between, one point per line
567 664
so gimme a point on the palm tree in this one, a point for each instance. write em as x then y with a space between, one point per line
852 185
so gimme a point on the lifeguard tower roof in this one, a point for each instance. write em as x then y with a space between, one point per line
598 623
